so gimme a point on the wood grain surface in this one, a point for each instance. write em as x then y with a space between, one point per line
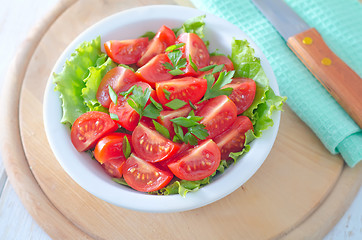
299 192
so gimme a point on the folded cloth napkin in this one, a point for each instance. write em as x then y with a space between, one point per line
340 24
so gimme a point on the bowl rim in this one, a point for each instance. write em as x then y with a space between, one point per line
132 199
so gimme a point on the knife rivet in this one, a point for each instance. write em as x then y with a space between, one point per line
326 61
307 40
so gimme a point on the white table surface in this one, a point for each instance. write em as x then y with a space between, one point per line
17 17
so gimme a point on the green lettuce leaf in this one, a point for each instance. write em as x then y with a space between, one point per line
193 25
182 187
69 82
265 102
249 136
93 80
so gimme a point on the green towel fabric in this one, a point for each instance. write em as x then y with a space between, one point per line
340 24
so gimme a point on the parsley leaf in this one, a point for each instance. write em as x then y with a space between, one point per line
207 68
215 90
149 35
195 129
174 47
114 116
167 94
126 147
112 95
193 65
218 68
177 62
161 129
176 104
138 99
192 105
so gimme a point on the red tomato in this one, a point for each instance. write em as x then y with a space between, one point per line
126 51
164 37
243 93
120 79
233 139
144 176
154 71
219 114
111 147
196 48
186 89
127 116
167 115
197 163
151 146
89 127
114 167
221 59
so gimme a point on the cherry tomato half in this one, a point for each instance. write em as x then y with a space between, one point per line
221 59
243 93
186 89
126 51
114 167
144 176
197 163
120 79
164 37
151 146
111 147
219 114
233 139
154 71
196 49
89 127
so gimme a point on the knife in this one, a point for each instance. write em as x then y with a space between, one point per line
308 45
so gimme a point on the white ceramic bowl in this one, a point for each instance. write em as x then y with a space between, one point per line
89 174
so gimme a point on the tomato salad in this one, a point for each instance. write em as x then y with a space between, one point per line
162 114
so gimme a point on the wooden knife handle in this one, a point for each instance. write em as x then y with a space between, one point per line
335 75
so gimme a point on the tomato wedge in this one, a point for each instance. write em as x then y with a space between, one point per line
219 114
186 89
126 51
144 176
197 163
151 146
120 79
114 167
196 49
167 115
154 71
164 37
243 93
233 139
221 59
111 147
89 127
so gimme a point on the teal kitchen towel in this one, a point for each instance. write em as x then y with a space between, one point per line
340 24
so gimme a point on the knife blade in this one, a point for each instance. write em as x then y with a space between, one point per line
336 76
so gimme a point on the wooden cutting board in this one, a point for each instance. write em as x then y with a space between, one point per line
299 192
